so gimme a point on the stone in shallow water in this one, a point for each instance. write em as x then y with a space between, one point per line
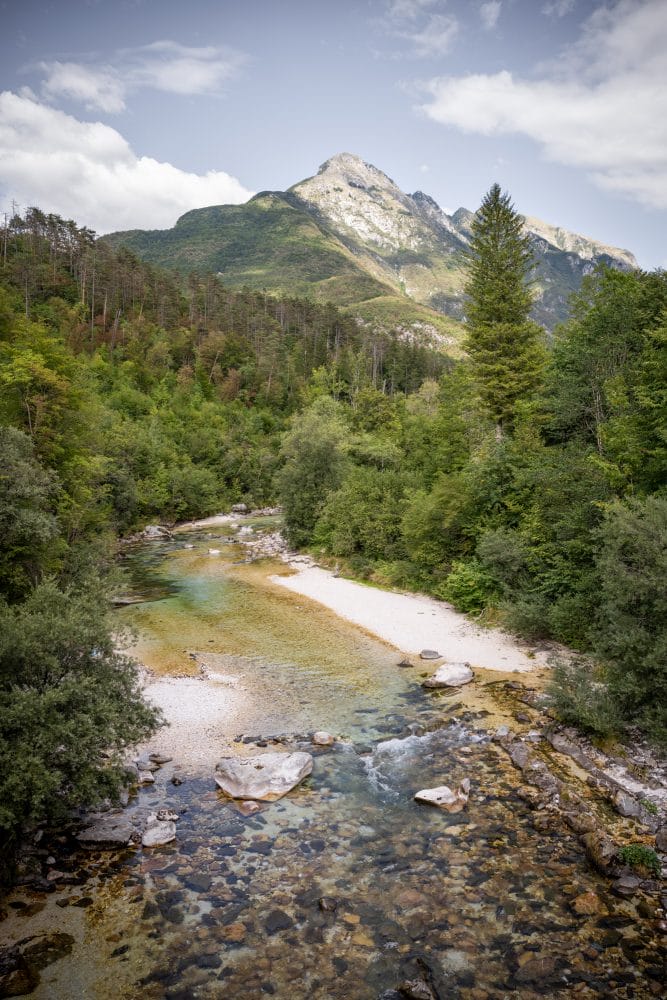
278 920
429 654
588 905
444 798
266 777
158 832
323 739
110 832
450 675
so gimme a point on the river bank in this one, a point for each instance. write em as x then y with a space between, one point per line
346 888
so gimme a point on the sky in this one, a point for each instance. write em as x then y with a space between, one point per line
125 114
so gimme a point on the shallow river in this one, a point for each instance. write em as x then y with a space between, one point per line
346 888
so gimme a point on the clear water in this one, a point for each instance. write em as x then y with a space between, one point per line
476 904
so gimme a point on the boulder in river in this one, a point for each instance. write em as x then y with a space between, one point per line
266 777
444 798
450 675
155 531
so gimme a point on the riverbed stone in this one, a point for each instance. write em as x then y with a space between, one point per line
265 777
450 675
444 798
158 832
588 904
107 833
16 979
323 739
429 654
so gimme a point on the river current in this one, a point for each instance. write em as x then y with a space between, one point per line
346 889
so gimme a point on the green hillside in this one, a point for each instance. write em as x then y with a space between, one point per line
270 244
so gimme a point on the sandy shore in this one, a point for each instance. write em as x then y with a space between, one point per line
411 622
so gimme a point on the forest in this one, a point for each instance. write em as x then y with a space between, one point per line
523 482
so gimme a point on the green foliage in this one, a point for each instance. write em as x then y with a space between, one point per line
631 635
70 705
468 587
640 856
363 517
314 456
581 697
28 528
505 348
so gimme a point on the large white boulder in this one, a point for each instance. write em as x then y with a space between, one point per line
266 777
450 675
158 831
444 798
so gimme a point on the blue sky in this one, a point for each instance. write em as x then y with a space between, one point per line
126 113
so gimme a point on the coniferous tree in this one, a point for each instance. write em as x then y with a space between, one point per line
503 344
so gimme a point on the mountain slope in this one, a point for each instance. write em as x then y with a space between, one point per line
350 235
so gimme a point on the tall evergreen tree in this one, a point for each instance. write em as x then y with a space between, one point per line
503 344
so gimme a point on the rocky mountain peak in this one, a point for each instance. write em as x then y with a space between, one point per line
352 170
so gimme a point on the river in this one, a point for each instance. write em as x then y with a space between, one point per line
346 889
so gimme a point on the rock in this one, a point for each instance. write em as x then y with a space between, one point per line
626 885
450 675
661 840
266 777
534 970
16 979
239 508
328 904
627 805
235 932
501 732
588 905
146 778
416 989
322 739
429 654
160 758
214 552
110 832
166 815
600 849
277 920
158 832
405 663
444 798
155 531
248 808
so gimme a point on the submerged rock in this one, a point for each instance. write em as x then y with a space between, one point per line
266 777
110 832
429 654
322 739
450 675
444 798
158 832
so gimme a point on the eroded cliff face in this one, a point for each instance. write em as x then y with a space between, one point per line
410 242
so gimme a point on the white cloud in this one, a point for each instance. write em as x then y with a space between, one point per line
409 9
163 65
558 8
94 88
489 13
436 38
87 171
602 107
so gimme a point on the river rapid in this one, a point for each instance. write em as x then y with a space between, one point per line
346 889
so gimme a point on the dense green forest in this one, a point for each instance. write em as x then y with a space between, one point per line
525 485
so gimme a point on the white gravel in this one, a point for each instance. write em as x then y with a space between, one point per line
411 622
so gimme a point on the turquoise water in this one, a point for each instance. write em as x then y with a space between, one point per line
345 889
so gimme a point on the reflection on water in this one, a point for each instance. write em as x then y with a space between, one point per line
346 888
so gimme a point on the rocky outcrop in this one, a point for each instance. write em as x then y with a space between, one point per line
265 777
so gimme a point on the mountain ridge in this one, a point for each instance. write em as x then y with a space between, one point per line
350 235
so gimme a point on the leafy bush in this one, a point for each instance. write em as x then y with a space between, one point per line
469 587
582 698
640 856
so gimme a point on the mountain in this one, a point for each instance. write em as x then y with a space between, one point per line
351 236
